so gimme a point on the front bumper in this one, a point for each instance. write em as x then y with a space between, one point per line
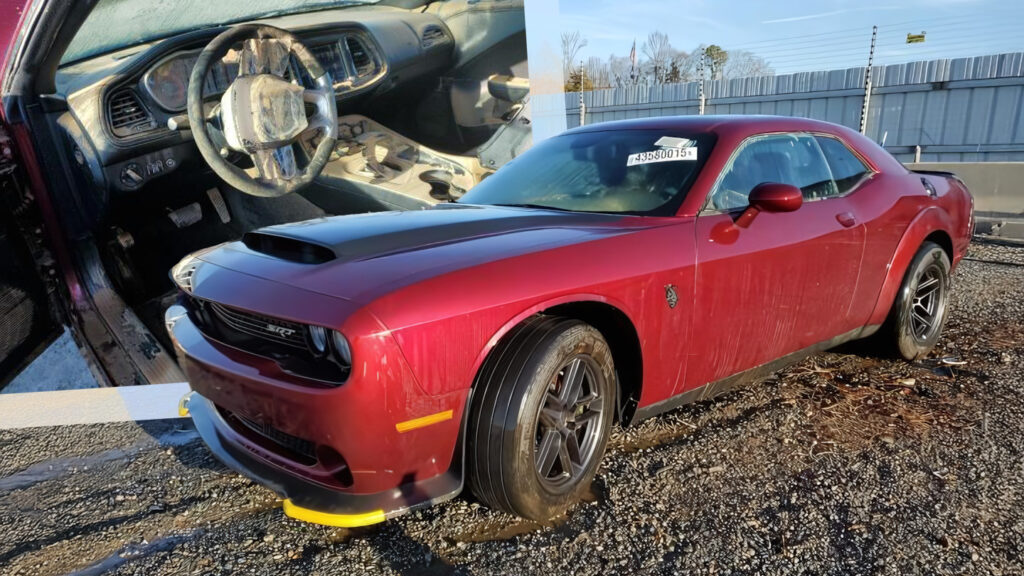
306 500
399 446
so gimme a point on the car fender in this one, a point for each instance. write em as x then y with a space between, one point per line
539 307
930 220
459 455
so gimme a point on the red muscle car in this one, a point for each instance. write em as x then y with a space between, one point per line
366 365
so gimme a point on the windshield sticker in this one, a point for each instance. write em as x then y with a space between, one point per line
670 142
662 155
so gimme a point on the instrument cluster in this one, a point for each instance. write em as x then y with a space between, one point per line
352 60
167 81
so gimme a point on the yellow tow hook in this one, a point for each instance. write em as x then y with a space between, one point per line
183 405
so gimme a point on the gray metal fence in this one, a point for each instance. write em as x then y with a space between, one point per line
956 110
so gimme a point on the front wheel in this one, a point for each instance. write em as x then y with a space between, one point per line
916 319
540 417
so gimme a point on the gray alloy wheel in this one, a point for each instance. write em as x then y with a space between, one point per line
570 423
928 304
919 312
541 411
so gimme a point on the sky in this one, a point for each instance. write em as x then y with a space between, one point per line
793 35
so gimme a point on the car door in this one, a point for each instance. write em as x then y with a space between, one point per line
25 319
860 187
784 282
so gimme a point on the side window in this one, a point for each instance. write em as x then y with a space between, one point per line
784 158
847 169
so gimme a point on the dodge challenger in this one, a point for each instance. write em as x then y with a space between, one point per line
362 366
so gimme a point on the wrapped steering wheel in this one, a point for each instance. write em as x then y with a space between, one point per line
264 114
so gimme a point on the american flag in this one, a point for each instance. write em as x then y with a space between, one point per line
632 61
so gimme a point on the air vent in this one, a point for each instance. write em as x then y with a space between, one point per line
287 248
330 57
127 114
361 57
432 35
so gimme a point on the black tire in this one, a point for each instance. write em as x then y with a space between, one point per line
527 372
914 326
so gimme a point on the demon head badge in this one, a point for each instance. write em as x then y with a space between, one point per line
671 296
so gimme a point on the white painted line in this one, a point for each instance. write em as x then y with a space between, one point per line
91 406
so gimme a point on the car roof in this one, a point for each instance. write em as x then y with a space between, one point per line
737 123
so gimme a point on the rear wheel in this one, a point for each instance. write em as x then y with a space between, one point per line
540 418
916 319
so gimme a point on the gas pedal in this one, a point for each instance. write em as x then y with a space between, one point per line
219 205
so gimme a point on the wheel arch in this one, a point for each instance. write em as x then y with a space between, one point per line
621 335
931 225
611 320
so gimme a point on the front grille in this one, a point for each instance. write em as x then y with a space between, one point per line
272 329
293 444
282 341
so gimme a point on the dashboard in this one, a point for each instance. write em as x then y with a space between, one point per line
352 59
120 103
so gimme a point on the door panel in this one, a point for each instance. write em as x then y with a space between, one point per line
783 283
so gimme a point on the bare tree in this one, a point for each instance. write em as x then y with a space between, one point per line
599 73
572 43
743 64
620 71
659 52
682 66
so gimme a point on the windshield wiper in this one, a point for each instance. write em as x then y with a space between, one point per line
536 207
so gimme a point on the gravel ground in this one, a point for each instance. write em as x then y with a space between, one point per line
842 464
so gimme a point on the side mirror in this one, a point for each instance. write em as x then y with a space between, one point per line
770 197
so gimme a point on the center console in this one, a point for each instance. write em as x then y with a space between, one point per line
396 171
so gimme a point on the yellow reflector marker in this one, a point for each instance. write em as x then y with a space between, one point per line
183 405
327 519
424 421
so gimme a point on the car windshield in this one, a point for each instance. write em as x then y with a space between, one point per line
115 24
624 171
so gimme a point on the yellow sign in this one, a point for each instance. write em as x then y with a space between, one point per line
915 38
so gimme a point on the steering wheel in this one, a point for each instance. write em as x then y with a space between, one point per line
263 114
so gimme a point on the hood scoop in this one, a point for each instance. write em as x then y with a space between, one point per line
291 249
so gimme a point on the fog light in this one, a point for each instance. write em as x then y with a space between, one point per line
318 337
342 352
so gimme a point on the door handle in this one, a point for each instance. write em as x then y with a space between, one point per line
846 219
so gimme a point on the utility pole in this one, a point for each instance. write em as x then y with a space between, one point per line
867 83
583 107
700 87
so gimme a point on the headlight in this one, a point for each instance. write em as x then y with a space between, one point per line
183 271
318 337
342 351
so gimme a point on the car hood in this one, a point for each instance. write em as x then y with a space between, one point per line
360 257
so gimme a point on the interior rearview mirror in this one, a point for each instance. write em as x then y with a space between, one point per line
770 197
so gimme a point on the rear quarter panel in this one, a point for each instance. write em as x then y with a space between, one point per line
900 214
